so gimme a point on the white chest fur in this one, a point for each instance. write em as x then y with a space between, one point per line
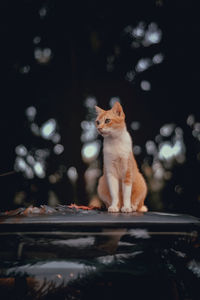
115 149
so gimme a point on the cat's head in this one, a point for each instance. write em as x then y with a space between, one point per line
110 122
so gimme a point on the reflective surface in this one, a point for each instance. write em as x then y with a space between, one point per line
76 254
133 264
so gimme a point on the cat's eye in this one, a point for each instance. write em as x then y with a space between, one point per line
107 120
97 122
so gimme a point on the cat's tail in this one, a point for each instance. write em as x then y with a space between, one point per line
95 202
143 208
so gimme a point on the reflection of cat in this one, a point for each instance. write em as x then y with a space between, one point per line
122 186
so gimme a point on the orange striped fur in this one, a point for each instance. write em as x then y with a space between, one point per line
122 186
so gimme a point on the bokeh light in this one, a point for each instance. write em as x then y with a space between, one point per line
167 129
145 85
21 150
135 125
89 131
158 58
58 149
31 113
42 56
36 40
39 169
113 100
48 129
143 64
25 69
72 174
90 151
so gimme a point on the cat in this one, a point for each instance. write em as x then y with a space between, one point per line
122 186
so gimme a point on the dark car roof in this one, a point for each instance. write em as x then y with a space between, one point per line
84 219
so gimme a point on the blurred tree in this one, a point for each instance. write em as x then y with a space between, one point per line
56 54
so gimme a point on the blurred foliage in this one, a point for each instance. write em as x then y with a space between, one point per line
59 60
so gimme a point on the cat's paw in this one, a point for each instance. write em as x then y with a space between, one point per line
113 208
126 209
134 207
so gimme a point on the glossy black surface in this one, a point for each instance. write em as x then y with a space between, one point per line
91 254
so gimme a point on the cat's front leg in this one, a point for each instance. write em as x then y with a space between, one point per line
113 184
126 189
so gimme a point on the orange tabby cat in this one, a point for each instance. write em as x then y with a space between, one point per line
122 186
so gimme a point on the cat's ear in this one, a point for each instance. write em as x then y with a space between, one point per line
118 110
98 110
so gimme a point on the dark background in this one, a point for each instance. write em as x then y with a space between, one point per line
82 36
